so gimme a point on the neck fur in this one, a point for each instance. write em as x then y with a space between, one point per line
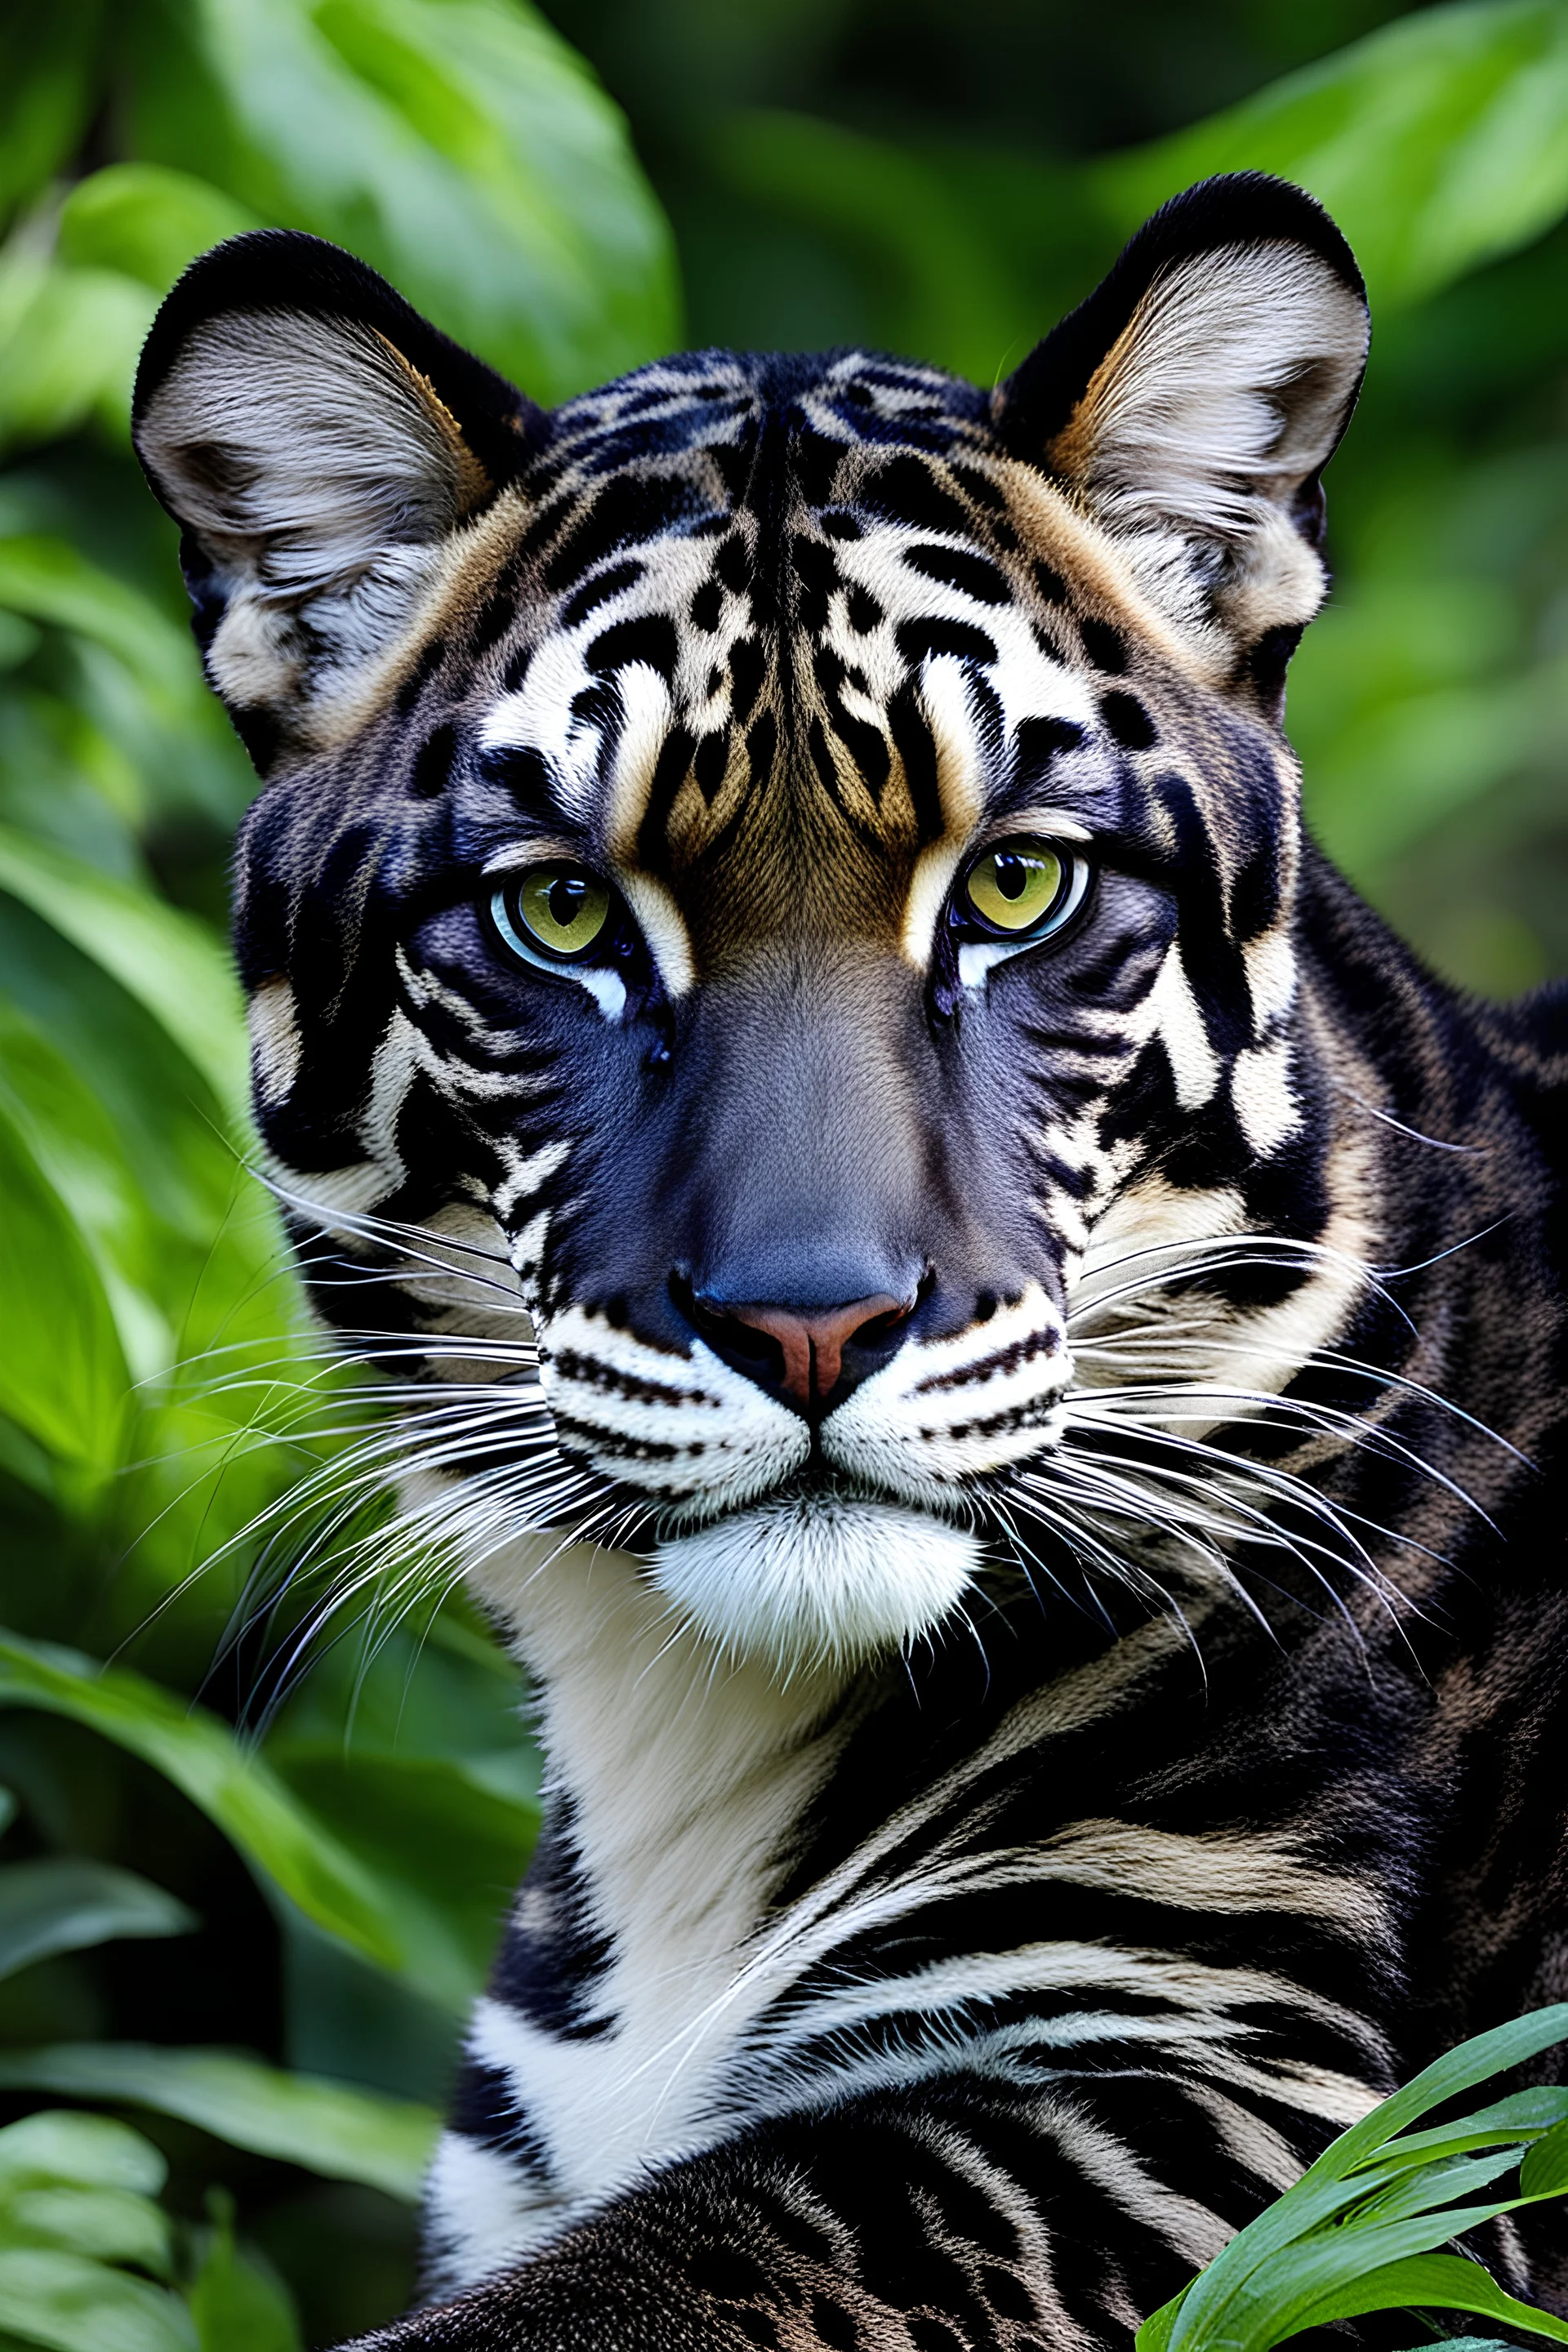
686 1777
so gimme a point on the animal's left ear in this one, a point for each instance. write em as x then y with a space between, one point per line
1192 402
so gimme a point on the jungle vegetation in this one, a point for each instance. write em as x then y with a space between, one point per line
251 1867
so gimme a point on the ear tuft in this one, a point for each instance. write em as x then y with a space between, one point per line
317 440
1191 402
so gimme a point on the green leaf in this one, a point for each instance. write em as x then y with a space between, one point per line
49 580
166 959
1254 2272
111 2225
1323 2278
1428 2186
71 2304
234 1786
1447 2281
1437 142
450 1851
1155 2333
63 1905
1457 2070
62 1376
92 2151
69 341
238 2306
146 222
1253 2293
73 1139
332 2128
457 146
1524 2115
1544 2171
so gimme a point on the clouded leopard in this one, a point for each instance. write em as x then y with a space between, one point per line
993 1343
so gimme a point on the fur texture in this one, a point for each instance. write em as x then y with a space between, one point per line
1010 1803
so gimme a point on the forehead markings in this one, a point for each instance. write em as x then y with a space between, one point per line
585 684
539 716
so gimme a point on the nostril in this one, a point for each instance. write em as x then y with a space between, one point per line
726 1331
880 1328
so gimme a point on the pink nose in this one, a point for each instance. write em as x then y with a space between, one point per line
811 1340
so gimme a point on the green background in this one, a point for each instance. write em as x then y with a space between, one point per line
252 1857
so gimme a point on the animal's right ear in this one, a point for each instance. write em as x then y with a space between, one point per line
318 442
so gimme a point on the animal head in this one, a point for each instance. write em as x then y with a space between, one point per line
769 868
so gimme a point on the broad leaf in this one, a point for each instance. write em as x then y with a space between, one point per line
333 2128
69 341
62 1376
457 146
940 282
49 580
111 2225
63 1906
1436 143
51 64
71 2304
234 1786
236 2305
92 2150
1544 2171
167 960
73 1137
1439 142
146 222
452 1850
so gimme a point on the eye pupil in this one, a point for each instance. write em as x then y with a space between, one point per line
563 911
1022 890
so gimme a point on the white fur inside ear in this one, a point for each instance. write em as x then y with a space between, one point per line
321 475
802 1581
299 450
1224 391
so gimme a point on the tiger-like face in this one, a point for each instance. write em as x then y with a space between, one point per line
777 867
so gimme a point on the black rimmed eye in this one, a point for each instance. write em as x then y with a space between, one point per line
1022 890
555 914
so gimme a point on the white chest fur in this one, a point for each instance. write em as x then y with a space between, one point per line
685 1773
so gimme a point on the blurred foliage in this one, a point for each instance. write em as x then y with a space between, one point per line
245 1908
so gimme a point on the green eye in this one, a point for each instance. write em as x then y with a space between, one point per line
553 912
1018 887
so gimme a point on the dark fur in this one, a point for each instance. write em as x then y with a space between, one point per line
814 1120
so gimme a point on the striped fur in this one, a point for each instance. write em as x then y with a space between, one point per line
1005 1812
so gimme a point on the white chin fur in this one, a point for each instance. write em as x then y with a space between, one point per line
801 1583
